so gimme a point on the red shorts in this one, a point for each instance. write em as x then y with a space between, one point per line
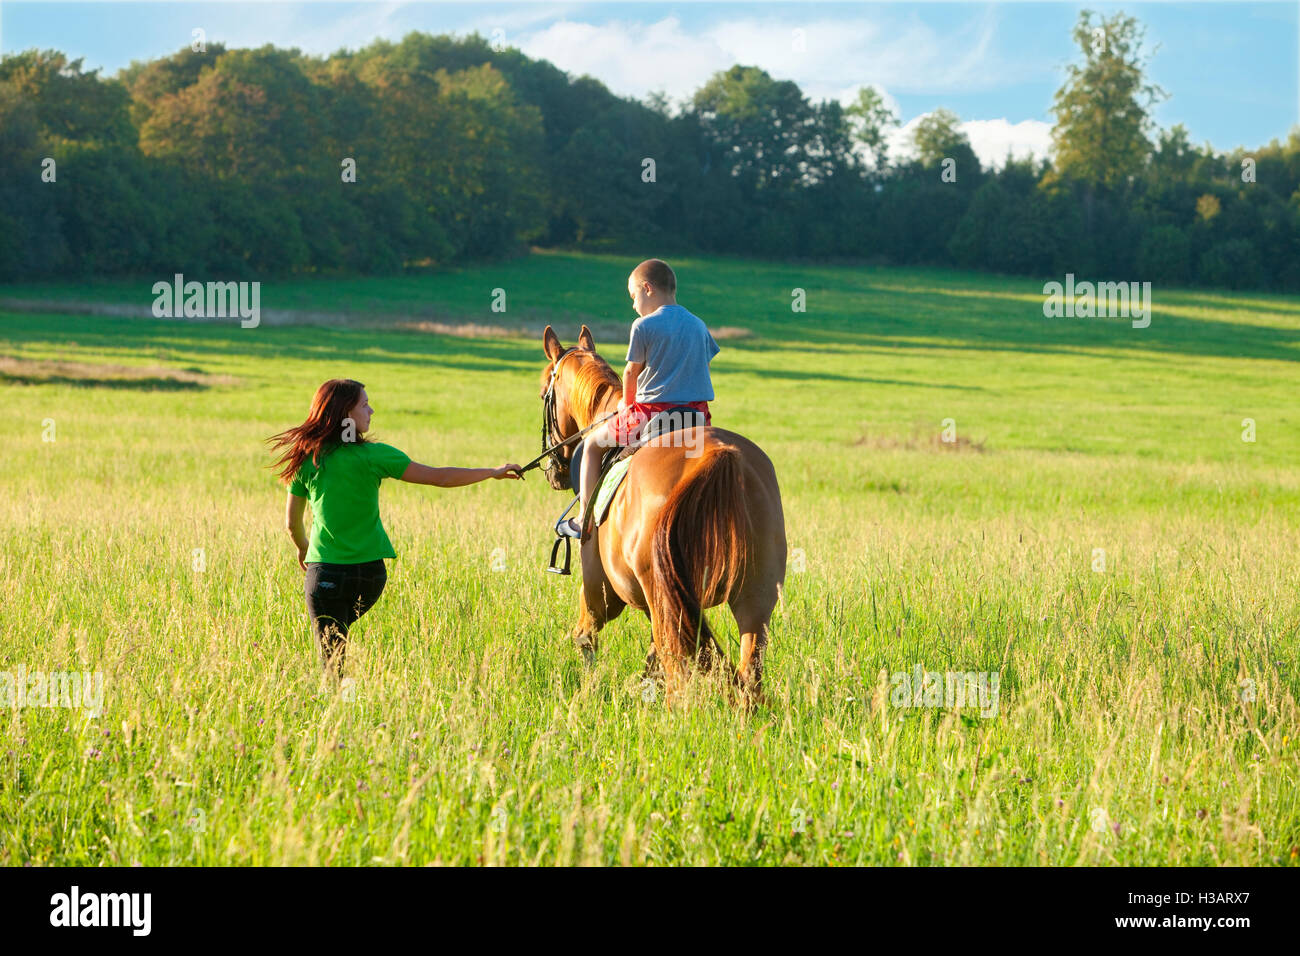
627 424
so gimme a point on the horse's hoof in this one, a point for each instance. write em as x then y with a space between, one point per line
653 669
751 699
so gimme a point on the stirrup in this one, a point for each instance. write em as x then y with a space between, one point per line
562 539
555 553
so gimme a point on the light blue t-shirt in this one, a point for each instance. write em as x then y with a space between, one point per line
676 348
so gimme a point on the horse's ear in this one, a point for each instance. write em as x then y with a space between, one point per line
551 344
585 341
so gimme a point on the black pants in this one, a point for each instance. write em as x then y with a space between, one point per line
338 594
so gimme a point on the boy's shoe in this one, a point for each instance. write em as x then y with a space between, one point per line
569 528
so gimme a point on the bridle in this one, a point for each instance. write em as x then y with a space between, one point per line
551 424
551 418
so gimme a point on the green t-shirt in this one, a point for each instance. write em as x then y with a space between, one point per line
344 496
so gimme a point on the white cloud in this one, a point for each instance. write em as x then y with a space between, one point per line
907 57
288 25
632 59
989 138
992 138
832 55
516 20
374 21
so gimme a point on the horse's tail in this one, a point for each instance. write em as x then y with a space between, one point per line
700 550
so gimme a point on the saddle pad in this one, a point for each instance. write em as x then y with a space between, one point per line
605 493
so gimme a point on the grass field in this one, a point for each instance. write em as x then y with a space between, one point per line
1098 533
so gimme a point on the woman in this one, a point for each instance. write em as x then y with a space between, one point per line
328 461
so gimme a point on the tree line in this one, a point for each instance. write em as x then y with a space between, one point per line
440 149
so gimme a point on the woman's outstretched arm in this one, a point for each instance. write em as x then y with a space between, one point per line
293 523
448 477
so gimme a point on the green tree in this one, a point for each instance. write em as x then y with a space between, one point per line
1164 254
462 148
1102 118
151 80
939 137
31 241
1174 156
72 105
252 115
829 151
760 127
870 121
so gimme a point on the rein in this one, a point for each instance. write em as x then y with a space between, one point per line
558 445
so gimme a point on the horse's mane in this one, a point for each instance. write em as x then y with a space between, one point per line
588 391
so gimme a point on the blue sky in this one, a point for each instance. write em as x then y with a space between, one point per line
1232 69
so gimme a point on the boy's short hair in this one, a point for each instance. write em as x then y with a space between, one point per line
658 274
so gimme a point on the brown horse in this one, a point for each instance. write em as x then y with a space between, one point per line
698 521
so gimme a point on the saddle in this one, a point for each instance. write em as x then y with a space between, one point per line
614 465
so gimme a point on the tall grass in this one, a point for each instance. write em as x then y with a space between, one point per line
1099 535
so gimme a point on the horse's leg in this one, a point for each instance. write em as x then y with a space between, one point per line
598 604
760 591
668 656
753 610
591 618
752 644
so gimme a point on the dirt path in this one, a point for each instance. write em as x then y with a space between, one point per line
531 326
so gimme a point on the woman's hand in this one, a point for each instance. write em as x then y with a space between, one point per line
302 556
510 470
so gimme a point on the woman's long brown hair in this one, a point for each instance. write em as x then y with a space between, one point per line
322 429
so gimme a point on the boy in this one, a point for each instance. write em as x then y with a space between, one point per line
668 357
